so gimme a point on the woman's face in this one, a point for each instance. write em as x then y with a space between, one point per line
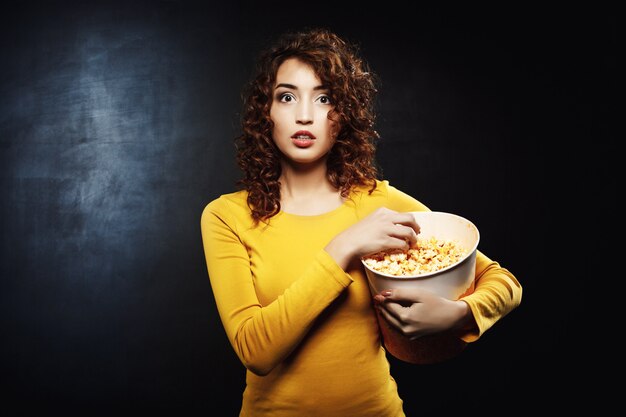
299 111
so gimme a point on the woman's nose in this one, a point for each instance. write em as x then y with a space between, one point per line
305 114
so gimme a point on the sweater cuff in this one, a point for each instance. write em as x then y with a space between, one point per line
474 334
329 264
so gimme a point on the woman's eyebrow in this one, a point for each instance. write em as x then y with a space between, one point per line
293 87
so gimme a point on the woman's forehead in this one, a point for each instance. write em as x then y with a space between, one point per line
295 73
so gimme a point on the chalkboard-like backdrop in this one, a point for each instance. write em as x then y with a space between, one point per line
116 129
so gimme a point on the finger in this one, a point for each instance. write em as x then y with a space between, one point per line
407 329
407 219
386 243
391 319
408 294
397 242
405 233
396 311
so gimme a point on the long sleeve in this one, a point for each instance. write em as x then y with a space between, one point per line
262 335
497 292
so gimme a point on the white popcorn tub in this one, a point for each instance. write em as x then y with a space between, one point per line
451 282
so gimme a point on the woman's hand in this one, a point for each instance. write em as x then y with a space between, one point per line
383 229
416 312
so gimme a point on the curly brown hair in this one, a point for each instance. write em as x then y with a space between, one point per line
352 89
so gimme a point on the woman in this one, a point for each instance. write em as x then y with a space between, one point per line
283 252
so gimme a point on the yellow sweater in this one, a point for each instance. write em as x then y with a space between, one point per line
303 327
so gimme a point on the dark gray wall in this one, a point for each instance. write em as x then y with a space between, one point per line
116 127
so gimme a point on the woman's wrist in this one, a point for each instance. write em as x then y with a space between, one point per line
465 321
339 253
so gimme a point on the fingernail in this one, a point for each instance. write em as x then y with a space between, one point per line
386 293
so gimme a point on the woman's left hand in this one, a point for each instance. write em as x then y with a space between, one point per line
416 313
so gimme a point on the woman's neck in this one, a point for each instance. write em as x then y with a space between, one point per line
306 190
297 181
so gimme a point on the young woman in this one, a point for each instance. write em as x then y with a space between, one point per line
283 253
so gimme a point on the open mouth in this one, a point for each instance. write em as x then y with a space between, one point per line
303 139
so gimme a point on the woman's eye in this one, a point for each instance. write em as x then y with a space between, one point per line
285 98
324 100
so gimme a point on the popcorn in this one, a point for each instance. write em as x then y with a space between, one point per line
427 255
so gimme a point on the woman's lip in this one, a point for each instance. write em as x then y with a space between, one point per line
301 133
302 142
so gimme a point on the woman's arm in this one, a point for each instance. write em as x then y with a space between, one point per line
383 229
262 336
496 294
417 313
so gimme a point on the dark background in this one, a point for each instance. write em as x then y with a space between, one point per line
116 129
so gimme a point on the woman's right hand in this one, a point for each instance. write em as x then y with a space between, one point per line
383 229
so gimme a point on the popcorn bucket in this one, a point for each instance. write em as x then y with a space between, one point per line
452 282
